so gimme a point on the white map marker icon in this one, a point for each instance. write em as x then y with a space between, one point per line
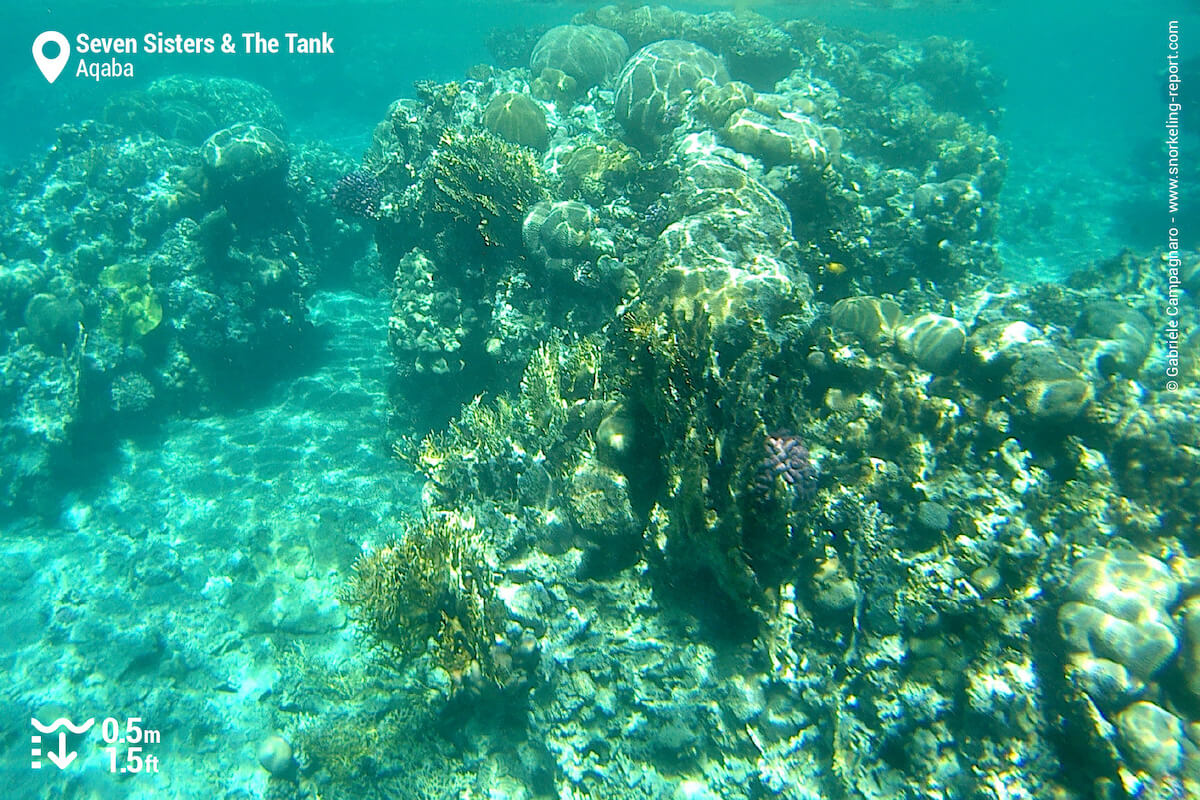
51 67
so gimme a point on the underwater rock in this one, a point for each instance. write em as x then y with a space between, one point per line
517 119
1108 683
833 589
1133 586
1109 319
598 170
131 306
1125 336
711 183
616 437
1191 643
1120 629
698 266
588 53
53 322
246 159
191 108
1189 273
1150 737
560 229
1143 648
949 197
872 319
275 755
1044 383
746 698
987 580
788 139
598 498
933 341
20 280
658 79
933 516
172 118
754 47
1119 356
1117 623
1057 399
719 102
996 346
555 86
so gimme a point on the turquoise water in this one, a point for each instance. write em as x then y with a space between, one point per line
803 408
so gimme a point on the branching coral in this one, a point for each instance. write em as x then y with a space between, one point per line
491 444
432 582
482 182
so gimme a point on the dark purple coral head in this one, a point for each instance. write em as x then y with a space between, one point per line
357 194
786 460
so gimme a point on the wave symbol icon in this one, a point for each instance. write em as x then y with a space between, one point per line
63 722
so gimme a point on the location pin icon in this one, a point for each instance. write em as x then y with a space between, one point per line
51 67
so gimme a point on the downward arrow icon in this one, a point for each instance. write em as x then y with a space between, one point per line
62 758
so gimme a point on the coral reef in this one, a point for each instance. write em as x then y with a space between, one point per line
157 274
801 294
191 109
747 472
781 471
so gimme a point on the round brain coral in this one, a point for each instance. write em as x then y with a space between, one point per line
516 118
933 341
658 79
561 229
588 53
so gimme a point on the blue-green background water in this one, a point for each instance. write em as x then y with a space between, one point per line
1083 100
124 582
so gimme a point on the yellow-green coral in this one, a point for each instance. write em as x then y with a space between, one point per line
432 583
518 119
592 170
482 182
131 308
463 459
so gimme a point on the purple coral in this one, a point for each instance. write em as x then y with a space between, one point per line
357 193
657 217
787 459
